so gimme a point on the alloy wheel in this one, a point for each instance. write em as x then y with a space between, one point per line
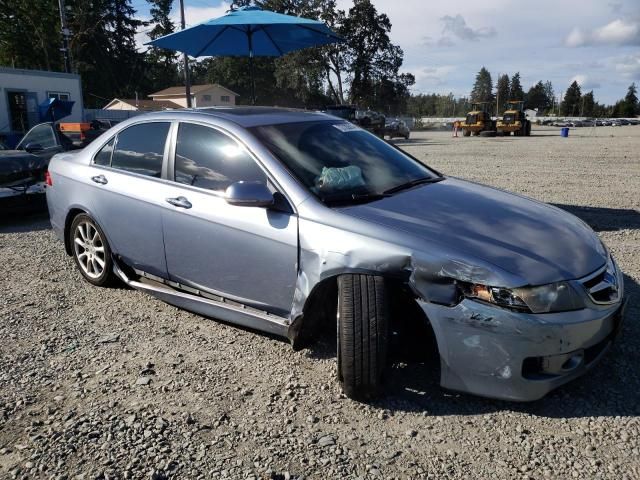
89 249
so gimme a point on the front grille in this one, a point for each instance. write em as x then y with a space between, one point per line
509 118
602 285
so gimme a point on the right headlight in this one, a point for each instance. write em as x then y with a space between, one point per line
555 297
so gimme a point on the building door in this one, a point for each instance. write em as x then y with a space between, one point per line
18 118
23 110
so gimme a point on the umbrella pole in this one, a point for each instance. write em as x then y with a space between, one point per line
251 71
187 77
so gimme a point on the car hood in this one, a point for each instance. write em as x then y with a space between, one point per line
535 241
17 165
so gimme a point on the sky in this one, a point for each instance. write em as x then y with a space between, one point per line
445 43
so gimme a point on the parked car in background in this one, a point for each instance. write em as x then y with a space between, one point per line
22 171
395 127
367 119
293 222
634 121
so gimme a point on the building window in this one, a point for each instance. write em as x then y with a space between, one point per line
206 98
225 98
59 95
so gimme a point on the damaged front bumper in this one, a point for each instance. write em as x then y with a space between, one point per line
503 354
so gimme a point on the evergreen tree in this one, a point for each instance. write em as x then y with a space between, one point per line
483 87
516 92
571 103
631 107
502 91
588 104
162 68
537 98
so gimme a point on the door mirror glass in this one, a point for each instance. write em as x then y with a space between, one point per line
249 194
33 147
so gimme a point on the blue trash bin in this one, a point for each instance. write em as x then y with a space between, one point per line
564 132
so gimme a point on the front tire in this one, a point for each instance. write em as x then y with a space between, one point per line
363 323
91 251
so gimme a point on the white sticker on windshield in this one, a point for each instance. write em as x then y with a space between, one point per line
346 127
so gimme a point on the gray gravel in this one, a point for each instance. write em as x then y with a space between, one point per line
110 383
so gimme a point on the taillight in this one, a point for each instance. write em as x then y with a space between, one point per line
47 179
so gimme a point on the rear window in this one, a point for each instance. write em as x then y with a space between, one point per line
140 149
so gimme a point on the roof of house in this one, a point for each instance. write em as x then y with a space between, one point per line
146 105
195 89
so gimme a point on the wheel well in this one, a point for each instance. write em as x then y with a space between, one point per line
73 213
411 332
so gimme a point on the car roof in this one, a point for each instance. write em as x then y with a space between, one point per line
253 116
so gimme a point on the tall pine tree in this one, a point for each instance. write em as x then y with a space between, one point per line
516 92
571 103
483 87
502 91
630 107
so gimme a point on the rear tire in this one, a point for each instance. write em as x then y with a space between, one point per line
466 133
91 251
363 323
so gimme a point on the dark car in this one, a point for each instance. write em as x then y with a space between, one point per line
22 171
396 127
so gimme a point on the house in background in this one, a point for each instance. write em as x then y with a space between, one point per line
211 95
133 104
21 91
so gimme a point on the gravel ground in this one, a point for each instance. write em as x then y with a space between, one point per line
110 383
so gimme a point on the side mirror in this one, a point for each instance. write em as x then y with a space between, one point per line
33 147
249 194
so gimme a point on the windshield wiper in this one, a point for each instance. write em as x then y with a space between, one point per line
355 198
413 183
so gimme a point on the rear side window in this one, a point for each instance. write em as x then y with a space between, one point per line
209 159
103 157
140 148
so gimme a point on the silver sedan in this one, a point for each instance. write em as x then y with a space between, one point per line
287 222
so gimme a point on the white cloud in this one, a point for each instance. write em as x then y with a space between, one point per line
617 32
585 82
458 27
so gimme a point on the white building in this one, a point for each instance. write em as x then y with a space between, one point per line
21 91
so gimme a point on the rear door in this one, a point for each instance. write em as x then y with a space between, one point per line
247 254
127 194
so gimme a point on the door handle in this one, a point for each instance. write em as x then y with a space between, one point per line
180 202
101 179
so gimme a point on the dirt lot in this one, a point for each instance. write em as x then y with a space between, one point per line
114 384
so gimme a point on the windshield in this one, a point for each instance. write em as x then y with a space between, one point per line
339 161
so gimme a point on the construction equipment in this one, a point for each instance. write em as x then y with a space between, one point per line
478 119
514 120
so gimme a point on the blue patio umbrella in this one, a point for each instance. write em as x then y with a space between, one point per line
249 32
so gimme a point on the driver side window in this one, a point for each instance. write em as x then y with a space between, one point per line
207 158
42 135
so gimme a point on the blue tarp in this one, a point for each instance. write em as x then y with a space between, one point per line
53 109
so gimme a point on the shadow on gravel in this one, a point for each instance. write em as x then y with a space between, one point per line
605 219
24 223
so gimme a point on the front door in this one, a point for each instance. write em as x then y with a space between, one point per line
42 141
246 254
